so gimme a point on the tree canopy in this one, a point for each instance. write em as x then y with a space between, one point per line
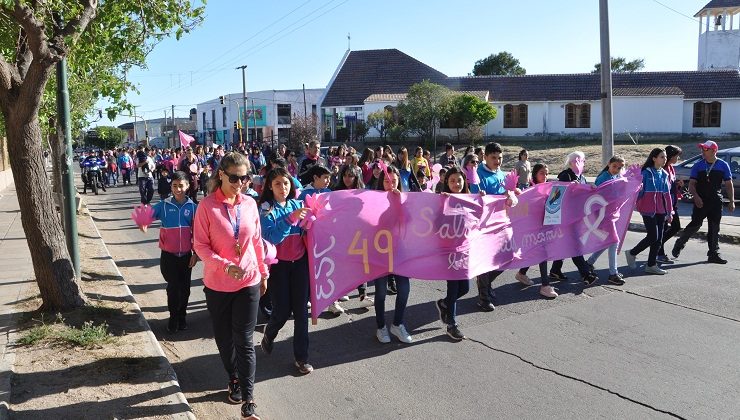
501 64
468 111
425 105
621 65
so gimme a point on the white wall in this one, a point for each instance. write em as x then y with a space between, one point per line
729 120
652 114
719 50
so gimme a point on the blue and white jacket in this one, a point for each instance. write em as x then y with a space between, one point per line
176 231
280 230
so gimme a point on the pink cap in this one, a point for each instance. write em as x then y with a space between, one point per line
709 145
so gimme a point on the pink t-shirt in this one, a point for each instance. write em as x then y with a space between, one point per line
214 243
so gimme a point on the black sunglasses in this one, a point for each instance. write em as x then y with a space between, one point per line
234 178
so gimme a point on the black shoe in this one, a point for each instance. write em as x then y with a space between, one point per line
616 280
590 266
590 279
455 333
676 251
486 306
266 344
392 289
716 259
182 325
557 276
303 367
235 391
663 259
444 315
249 411
172 325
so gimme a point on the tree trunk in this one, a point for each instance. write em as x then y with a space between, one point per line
53 268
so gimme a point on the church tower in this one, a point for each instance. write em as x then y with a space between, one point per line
719 35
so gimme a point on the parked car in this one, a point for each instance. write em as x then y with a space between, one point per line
731 156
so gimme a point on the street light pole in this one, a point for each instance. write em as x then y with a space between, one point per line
607 133
244 98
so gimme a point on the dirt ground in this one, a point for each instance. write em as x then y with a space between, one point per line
554 153
121 379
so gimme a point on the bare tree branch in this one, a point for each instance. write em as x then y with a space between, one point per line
76 26
34 30
23 55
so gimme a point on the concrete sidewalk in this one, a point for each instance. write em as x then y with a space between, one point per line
15 279
729 231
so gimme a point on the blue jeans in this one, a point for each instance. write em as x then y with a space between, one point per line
612 258
288 284
654 226
381 290
146 190
455 290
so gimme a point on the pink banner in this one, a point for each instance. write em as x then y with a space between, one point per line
185 139
358 236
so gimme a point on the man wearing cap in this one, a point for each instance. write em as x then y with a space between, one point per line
705 185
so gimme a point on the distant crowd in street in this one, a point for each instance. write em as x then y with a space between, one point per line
240 213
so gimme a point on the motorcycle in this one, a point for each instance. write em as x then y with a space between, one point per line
93 174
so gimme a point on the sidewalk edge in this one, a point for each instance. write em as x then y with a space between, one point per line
170 372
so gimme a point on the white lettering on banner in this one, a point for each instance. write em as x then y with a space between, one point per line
459 227
458 261
593 227
425 215
532 239
320 293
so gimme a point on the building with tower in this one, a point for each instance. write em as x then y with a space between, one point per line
701 102
719 35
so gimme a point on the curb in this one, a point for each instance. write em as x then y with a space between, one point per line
156 347
723 237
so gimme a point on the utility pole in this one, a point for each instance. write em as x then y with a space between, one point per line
136 138
174 135
244 98
305 113
607 129
68 180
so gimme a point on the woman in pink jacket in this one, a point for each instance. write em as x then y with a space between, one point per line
227 237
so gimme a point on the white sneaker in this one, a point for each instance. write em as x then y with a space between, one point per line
523 279
654 269
401 334
367 302
548 292
382 335
336 309
308 305
344 298
630 260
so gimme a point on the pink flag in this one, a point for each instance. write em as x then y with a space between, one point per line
185 139
358 236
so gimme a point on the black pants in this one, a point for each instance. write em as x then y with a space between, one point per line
579 261
176 273
712 211
126 175
146 190
234 316
543 273
670 230
288 284
484 281
653 239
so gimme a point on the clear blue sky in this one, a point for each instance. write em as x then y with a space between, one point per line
292 42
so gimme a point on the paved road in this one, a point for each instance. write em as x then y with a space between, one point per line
659 347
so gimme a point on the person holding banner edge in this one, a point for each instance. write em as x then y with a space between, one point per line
492 182
280 213
389 181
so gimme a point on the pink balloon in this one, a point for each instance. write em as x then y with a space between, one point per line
194 168
436 168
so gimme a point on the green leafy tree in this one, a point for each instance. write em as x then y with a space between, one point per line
102 41
501 64
468 111
106 137
621 65
425 106
381 120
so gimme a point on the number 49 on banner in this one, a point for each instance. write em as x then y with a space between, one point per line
387 249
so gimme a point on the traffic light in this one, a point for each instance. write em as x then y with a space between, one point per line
221 98
236 126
